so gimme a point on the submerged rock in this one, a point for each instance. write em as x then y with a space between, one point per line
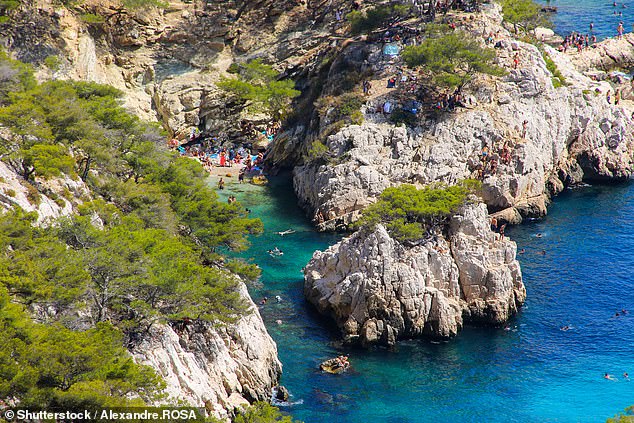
379 291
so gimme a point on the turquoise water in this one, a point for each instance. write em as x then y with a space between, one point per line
533 372
576 15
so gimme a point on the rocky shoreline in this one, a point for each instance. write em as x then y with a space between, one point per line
379 291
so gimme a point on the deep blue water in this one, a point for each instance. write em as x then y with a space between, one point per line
533 372
576 15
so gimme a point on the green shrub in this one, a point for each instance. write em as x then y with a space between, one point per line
92 19
409 213
9 4
33 195
349 103
318 151
363 22
524 14
557 78
53 62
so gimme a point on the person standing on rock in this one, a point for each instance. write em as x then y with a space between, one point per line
608 97
617 97
502 228
619 30
494 224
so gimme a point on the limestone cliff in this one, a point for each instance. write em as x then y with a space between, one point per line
167 61
555 137
378 290
219 369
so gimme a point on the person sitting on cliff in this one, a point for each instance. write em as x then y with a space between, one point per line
366 87
505 154
485 153
319 217
494 224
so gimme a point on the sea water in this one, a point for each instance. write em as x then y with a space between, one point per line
576 15
528 371
578 269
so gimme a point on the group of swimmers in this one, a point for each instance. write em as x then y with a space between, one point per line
275 252
608 376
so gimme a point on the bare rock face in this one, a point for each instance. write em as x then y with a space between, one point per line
218 368
555 136
379 291
47 198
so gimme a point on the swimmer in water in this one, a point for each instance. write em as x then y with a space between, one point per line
539 235
608 377
522 251
275 252
626 376
565 328
542 252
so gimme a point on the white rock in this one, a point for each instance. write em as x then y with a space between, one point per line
378 291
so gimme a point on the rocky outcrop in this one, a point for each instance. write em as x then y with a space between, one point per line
216 368
379 291
556 136
50 199
612 53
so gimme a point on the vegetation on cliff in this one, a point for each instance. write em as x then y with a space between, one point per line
258 86
451 59
409 214
262 412
524 15
377 17
141 249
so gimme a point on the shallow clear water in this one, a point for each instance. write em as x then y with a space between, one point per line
576 15
533 372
